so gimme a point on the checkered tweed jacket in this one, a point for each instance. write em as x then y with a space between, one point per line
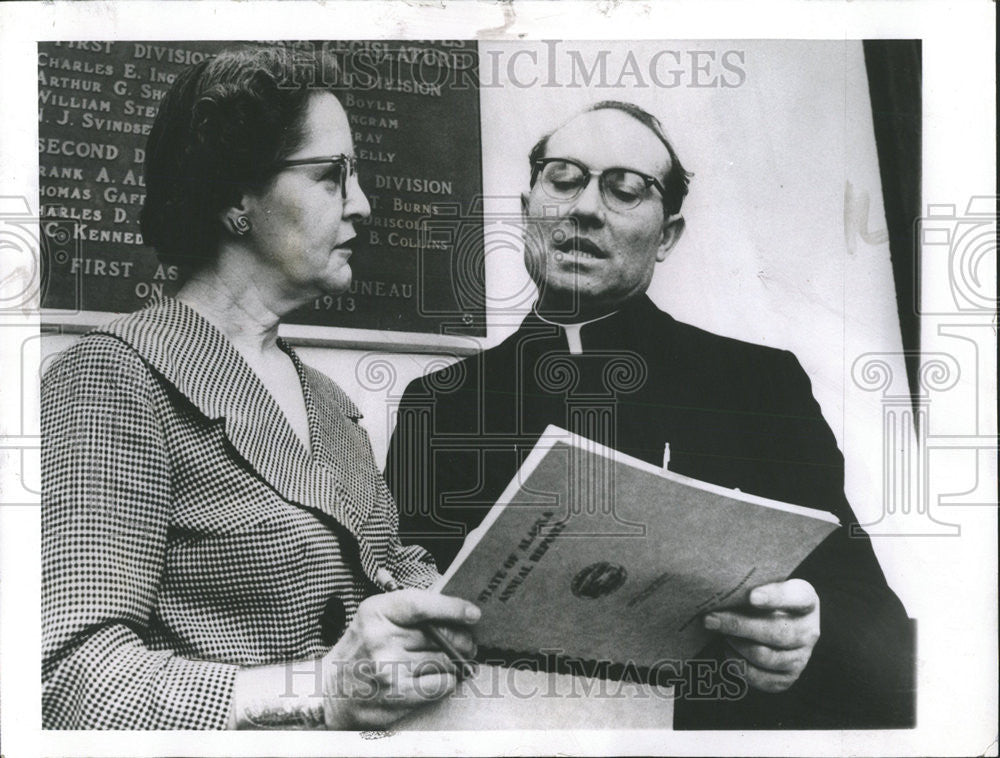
186 531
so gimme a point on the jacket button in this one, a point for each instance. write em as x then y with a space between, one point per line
331 621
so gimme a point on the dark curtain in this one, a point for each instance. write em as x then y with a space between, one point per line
894 78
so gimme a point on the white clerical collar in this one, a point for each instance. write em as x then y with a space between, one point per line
573 330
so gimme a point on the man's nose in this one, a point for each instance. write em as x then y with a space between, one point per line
356 206
589 204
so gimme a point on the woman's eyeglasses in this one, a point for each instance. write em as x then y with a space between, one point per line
622 189
345 167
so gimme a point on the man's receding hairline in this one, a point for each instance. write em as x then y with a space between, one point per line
626 114
675 177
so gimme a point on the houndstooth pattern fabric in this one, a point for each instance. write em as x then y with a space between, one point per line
187 532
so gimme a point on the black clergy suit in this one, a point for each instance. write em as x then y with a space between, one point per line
734 414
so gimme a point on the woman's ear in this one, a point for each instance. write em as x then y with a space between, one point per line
673 228
235 218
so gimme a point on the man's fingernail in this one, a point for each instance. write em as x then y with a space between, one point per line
472 613
759 597
711 622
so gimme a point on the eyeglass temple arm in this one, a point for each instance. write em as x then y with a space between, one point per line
345 159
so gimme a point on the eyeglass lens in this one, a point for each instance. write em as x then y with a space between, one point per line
340 168
346 167
621 189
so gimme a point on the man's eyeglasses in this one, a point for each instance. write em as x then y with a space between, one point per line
344 167
622 189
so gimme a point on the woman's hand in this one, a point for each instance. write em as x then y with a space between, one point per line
776 636
384 665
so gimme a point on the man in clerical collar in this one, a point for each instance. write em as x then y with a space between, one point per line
603 210
597 357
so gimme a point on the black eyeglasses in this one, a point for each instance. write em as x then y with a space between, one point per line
345 165
622 189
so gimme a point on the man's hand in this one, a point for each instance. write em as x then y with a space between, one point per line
384 665
775 635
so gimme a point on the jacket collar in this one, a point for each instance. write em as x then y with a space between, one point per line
203 365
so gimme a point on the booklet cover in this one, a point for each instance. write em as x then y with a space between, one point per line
595 555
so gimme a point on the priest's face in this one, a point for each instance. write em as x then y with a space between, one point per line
593 240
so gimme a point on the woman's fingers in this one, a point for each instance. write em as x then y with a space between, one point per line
386 663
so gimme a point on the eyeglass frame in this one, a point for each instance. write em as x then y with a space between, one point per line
539 164
348 164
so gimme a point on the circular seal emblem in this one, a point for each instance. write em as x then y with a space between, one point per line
598 579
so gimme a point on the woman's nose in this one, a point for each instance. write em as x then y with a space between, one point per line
356 206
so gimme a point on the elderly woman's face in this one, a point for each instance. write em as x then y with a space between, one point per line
302 222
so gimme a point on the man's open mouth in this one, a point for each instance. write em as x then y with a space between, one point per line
580 247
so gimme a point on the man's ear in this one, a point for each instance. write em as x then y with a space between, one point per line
524 206
673 228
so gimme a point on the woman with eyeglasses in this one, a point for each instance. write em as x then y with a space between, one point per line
216 535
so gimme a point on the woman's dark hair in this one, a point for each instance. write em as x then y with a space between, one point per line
676 180
222 124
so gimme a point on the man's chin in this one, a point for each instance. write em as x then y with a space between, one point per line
565 302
